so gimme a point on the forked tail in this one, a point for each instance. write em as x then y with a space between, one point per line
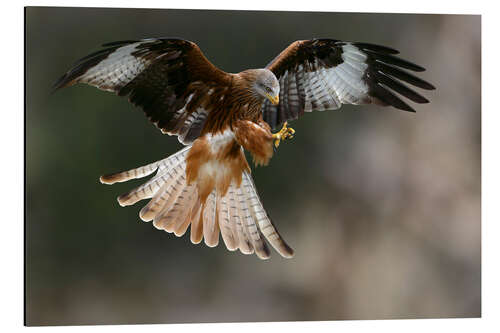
175 205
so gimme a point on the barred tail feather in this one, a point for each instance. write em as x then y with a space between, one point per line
263 221
130 174
226 225
235 213
257 241
244 223
175 206
167 194
175 215
181 228
184 207
196 233
211 220
151 187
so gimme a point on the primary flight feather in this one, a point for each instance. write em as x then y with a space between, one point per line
207 186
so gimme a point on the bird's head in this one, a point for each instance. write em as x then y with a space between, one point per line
267 85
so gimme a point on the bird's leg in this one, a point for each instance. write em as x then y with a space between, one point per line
284 133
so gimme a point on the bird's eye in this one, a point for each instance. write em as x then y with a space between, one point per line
268 90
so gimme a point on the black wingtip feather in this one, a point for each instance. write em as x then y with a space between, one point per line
429 86
402 75
376 48
119 43
59 83
383 93
395 61
81 66
399 87
93 55
385 69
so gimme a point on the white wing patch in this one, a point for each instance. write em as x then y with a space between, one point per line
118 69
329 88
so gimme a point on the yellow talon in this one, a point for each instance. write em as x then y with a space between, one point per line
284 133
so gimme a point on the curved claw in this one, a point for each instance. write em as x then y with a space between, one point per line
284 133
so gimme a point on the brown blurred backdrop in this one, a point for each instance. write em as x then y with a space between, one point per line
381 206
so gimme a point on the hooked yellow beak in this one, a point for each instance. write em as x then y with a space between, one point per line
274 99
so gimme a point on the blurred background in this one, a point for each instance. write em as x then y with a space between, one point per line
381 206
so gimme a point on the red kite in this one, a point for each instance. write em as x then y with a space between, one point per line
217 115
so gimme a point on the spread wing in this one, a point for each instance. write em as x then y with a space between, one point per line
170 79
323 74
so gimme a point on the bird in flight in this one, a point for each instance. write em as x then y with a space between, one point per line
217 115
